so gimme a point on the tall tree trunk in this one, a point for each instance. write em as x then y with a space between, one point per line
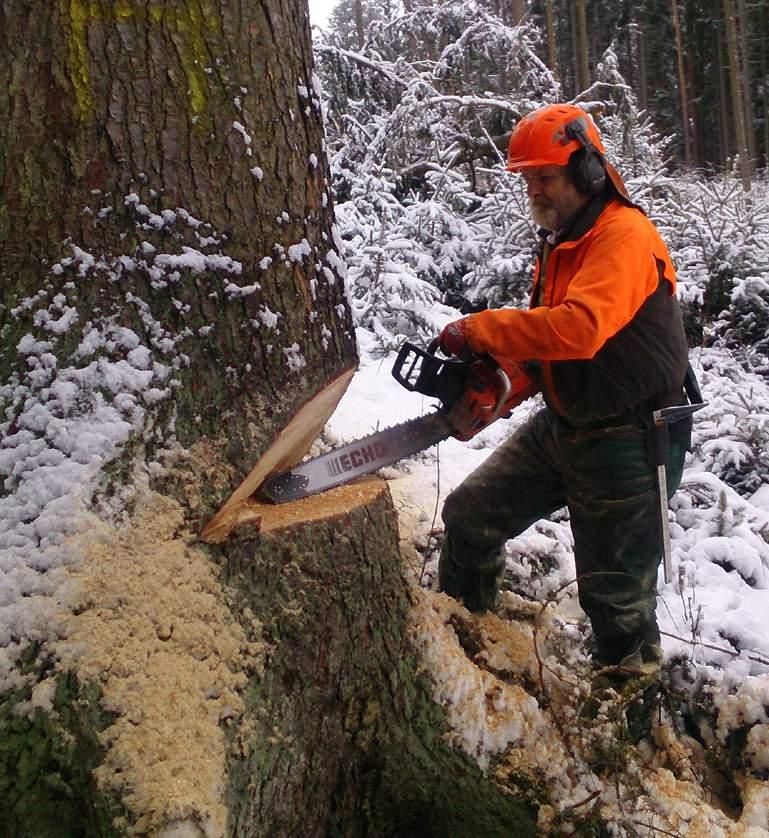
724 119
359 30
642 78
743 25
737 86
552 47
518 9
764 24
682 87
171 295
581 46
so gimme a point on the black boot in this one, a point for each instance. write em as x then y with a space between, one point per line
476 584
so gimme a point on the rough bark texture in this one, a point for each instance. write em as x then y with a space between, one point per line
341 735
208 107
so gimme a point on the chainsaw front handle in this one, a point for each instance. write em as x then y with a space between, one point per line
504 388
474 390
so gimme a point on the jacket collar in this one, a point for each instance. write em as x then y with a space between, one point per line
583 219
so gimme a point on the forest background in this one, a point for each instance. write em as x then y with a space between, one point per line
421 99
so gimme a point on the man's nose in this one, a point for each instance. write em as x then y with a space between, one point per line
533 188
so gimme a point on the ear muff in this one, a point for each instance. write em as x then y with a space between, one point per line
586 165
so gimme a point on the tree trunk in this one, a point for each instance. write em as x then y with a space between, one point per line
642 79
552 48
765 86
359 29
682 87
171 296
581 47
340 735
518 9
724 135
737 86
142 169
744 27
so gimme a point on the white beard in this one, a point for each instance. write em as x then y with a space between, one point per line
546 217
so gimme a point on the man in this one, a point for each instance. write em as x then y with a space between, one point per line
605 340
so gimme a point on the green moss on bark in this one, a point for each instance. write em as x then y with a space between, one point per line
47 789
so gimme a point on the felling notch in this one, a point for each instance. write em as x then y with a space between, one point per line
288 448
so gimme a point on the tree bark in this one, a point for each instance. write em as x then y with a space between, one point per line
736 86
724 135
682 86
341 735
642 78
764 17
552 47
581 59
743 24
359 31
168 262
112 117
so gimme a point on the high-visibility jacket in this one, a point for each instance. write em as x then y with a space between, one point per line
605 325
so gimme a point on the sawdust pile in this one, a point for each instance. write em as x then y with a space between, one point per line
156 635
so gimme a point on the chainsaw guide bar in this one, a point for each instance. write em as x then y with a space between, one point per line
355 459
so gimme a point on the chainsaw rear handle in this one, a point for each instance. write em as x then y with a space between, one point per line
420 371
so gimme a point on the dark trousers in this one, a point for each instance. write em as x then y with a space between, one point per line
604 478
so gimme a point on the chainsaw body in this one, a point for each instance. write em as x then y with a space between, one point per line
473 392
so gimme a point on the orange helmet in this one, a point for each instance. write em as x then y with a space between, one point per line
544 137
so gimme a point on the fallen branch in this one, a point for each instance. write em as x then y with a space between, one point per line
730 652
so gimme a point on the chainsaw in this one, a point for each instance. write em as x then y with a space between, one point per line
473 392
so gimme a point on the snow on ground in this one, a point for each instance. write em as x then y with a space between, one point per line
712 614
720 591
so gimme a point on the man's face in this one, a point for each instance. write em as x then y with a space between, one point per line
553 198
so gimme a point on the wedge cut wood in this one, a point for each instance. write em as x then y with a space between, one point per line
289 447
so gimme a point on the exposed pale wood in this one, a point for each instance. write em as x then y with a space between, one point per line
291 444
272 517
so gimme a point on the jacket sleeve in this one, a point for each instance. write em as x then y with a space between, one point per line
618 273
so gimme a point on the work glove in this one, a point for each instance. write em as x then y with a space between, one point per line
453 338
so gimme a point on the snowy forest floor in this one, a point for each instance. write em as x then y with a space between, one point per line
711 615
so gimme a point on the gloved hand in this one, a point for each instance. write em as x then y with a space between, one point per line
453 338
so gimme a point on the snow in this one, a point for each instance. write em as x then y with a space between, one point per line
64 420
713 613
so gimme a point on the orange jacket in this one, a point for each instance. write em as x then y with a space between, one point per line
607 291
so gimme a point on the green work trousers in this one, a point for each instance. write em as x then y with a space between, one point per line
604 478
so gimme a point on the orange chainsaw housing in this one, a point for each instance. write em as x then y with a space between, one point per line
479 404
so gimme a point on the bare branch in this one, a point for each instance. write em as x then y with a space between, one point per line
474 101
365 62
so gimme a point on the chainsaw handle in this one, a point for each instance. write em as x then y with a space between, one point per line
505 388
421 371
